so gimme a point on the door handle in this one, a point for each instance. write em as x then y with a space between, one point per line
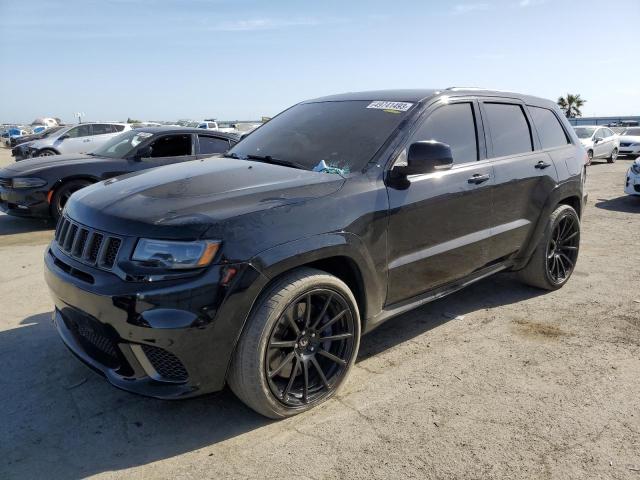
478 179
87 140
542 165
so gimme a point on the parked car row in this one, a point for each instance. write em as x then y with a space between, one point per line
263 266
40 187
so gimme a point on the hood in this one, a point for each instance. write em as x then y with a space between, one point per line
184 200
629 138
586 141
30 166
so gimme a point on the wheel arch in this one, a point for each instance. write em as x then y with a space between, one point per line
49 148
340 254
568 193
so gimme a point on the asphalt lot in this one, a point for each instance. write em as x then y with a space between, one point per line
496 381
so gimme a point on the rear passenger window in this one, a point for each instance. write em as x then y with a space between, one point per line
510 133
212 144
549 129
117 128
454 125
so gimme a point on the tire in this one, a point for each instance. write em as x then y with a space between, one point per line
46 152
551 256
614 156
260 375
62 193
590 156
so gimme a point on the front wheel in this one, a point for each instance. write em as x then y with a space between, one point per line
555 257
46 152
61 196
614 156
298 346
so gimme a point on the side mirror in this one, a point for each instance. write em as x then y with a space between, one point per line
426 157
144 152
597 140
63 137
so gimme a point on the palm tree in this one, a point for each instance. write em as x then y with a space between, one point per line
571 104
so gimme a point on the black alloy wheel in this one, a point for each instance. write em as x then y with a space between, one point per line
562 249
310 348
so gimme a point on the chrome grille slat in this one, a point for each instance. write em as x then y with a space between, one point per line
86 245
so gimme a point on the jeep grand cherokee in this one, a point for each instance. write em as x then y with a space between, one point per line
263 269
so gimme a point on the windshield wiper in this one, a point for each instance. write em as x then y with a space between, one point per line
230 155
276 161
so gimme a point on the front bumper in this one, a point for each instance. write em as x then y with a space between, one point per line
28 202
170 339
632 183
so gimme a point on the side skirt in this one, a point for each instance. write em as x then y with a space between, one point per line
399 308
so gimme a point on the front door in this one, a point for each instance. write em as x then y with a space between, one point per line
440 226
168 149
76 140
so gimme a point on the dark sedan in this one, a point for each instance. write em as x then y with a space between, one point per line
39 187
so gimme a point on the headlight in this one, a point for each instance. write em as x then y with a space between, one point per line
175 255
635 144
635 168
25 182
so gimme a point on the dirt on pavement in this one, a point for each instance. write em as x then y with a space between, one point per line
498 380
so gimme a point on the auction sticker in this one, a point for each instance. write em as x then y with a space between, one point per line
393 106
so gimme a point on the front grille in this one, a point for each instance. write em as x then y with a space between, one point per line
87 245
165 363
5 182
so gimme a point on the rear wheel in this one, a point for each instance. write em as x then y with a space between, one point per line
555 257
46 152
614 156
298 346
61 196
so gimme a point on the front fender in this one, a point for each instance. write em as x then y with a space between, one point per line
290 255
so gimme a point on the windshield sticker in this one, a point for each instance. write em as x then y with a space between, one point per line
392 107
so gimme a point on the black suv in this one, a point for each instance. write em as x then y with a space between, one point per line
263 269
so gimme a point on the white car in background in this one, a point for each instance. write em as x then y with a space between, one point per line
630 141
599 142
83 138
632 186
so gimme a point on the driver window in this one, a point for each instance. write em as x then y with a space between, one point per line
171 146
453 124
81 131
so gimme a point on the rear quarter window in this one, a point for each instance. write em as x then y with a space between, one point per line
510 133
550 131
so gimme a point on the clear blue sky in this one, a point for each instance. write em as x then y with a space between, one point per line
240 59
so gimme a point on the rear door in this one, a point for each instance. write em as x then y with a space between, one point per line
524 174
439 227
209 145
168 149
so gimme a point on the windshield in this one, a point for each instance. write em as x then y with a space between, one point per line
632 131
584 132
325 136
120 146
